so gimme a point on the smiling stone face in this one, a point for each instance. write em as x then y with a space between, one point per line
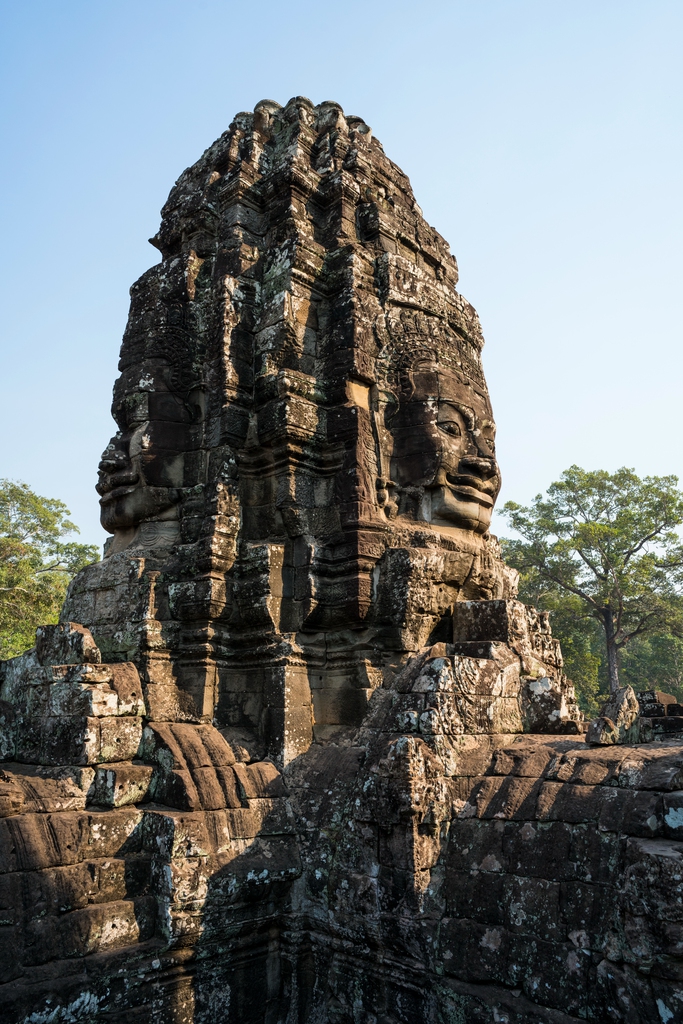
146 463
444 443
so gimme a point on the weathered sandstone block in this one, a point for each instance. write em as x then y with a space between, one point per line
67 643
618 721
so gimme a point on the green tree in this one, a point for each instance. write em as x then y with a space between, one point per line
610 541
37 560
647 663
655 663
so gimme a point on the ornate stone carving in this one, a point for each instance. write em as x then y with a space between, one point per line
296 752
302 482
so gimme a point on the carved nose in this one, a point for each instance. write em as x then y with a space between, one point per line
114 470
484 468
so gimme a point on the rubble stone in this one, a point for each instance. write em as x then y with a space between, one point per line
618 721
67 643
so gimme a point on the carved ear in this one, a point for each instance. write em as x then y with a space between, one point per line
390 411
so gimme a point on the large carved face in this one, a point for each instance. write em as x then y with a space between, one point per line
444 442
146 462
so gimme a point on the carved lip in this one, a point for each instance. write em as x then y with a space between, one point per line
471 489
117 492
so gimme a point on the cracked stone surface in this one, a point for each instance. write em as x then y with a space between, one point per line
296 754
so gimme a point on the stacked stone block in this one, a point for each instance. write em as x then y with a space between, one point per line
113 830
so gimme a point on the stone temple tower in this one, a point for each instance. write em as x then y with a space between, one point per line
300 489
295 753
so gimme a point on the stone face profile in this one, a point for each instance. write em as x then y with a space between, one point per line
295 753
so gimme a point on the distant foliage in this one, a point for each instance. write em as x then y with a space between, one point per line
602 552
36 563
655 663
649 663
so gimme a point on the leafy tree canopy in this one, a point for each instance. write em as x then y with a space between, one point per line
609 541
37 560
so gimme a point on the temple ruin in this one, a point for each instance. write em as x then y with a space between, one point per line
296 754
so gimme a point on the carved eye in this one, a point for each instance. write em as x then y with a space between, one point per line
451 428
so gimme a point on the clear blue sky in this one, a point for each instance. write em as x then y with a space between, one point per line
542 138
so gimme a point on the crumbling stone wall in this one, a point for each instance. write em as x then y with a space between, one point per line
487 879
414 871
296 754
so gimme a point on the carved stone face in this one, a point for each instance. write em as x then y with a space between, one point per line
144 464
444 442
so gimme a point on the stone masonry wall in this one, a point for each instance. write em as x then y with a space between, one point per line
397 876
